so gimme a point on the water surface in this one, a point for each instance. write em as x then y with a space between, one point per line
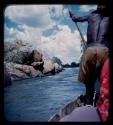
37 99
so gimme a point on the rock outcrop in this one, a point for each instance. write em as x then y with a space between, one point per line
49 67
36 60
23 63
38 65
58 67
19 72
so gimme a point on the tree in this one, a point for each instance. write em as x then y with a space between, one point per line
66 65
57 60
73 64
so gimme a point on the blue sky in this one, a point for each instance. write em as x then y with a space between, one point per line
47 27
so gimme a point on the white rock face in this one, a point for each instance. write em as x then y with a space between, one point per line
49 66
58 67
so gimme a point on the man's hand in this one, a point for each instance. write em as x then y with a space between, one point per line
72 16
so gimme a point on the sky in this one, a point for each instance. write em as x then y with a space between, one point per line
47 27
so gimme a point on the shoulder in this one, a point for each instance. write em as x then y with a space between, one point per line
94 16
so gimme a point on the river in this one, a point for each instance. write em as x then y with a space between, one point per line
37 99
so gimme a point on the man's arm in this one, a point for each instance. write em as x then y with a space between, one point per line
78 19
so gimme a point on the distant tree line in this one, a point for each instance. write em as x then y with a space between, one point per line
73 64
57 60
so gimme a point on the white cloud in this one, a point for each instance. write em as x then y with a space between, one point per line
32 20
35 15
31 15
56 10
28 34
65 44
9 33
86 8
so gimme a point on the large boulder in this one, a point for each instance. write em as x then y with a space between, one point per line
49 67
38 65
23 61
36 60
19 72
36 56
26 57
58 68
19 52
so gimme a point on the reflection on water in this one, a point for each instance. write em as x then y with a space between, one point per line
38 99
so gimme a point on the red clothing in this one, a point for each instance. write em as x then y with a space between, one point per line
103 101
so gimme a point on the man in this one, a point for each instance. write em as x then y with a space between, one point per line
90 113
97 48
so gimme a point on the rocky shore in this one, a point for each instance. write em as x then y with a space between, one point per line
23 63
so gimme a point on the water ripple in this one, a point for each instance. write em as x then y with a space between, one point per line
38 99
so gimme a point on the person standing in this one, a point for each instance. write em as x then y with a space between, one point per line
97 49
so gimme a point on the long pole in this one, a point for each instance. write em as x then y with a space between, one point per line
84 42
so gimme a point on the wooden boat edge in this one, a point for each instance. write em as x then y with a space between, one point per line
67 109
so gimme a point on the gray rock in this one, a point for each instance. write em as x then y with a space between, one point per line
38 65
58 68
49 67
37 56
25 62
19 72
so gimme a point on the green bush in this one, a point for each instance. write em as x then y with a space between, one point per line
9 48
18 58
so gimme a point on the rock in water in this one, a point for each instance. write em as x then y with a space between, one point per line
19 72
58 68
25 62
49 67
38 65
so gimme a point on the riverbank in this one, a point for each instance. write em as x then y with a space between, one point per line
22 62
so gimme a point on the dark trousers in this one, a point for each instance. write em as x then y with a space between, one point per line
90 84
89 93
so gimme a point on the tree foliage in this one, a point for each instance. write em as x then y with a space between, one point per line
57 60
